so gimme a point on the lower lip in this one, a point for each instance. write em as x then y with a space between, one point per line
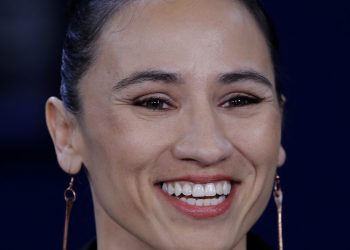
201 212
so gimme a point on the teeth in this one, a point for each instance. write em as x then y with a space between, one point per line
187 189
203 202
227 188
206 202
210 189
199 202
171 189
214 202
165 187
218 187
191 201
221 199
178 189
197 190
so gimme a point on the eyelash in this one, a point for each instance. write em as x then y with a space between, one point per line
154 103
241 100
157 103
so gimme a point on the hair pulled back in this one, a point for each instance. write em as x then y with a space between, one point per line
87 19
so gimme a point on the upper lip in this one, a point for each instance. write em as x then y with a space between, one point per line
200 179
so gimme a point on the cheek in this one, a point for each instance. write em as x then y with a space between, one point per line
119 153
259 143
259 140
125 144
138 143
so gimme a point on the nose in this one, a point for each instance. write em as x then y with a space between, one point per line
203 140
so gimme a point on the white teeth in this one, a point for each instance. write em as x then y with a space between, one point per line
206 202
191 201
165 187
203 202
199 202
198 190
220 188
214 202
210 189
187 190
178 189
171 189
227 188
221 199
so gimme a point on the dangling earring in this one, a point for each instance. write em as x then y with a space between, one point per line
70 197
278 195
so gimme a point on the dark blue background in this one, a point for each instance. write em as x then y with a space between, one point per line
315 39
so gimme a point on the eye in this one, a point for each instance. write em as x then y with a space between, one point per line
154 103
240 101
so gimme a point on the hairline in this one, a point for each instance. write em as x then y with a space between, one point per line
102 25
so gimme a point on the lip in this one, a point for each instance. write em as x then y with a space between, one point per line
201 212
201 179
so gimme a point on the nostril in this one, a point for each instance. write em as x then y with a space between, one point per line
204 143
203 154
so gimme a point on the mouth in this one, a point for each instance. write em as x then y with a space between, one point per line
199 200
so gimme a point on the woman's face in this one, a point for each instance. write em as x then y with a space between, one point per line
180 98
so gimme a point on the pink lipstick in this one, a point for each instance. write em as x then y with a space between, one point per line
200 197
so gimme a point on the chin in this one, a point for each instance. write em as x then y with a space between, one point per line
204 241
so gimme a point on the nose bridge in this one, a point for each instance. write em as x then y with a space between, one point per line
203 139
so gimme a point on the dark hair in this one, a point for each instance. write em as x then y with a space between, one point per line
88 17
86 20
265 24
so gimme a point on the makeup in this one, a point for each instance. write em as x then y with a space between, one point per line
198 196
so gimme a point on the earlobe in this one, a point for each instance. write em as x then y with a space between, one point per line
64 134
281 156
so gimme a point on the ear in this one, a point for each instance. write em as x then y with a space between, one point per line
281 156
64 132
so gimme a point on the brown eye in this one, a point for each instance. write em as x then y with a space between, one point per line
153 103
240 101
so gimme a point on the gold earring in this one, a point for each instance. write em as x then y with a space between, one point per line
70 197
278 195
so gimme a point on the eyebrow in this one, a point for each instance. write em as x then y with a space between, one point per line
174 78
148 75
248 75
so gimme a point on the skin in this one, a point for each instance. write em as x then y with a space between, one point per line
127 148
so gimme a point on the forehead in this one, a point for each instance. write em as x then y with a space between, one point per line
201 35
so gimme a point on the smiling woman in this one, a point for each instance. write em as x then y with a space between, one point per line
174 109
